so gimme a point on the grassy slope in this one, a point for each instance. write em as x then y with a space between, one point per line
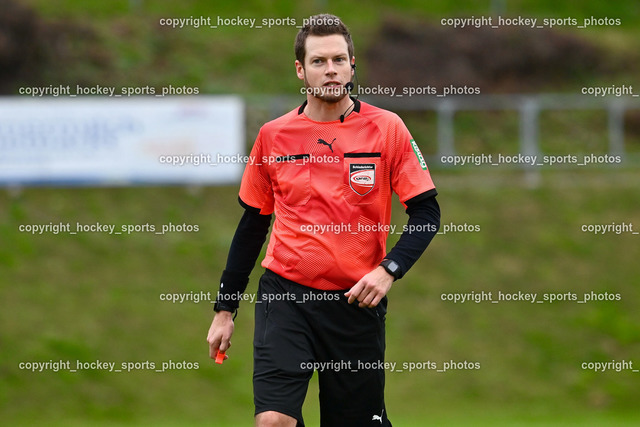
236 58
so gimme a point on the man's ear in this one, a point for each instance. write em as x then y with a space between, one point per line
299 70
353 65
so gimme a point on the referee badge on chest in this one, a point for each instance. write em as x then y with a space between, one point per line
362 177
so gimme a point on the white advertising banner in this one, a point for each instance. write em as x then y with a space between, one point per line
121 141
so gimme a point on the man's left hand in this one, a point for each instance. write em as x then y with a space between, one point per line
371 288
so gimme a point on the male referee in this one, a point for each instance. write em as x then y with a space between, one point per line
327 171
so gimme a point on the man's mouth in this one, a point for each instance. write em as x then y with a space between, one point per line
332 83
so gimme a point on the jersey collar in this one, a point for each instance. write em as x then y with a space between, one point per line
356 107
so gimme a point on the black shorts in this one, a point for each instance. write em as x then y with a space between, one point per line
298 329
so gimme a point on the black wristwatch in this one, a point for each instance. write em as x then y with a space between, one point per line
391 267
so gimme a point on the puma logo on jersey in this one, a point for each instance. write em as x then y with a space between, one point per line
378 417
323 142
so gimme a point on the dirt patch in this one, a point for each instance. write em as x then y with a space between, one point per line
505 60
35 50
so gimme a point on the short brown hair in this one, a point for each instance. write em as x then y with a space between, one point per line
321 25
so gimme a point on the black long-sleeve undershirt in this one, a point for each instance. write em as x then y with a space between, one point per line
422 226
244 251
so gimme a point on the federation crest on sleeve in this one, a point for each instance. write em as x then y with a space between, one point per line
362 177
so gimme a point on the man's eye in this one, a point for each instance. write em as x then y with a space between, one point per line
316 61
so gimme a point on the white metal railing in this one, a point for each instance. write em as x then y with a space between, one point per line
528 106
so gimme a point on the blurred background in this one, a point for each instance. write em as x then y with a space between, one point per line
562 87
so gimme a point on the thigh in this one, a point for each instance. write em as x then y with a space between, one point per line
282 350
352 393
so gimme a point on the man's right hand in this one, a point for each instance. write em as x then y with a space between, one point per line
220 332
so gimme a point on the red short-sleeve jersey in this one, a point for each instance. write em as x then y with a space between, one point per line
330 186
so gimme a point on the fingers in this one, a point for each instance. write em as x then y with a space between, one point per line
367 296
217 341
214 346
220 332
367 299
353 293
218 344
376 300
370 290
225 345
219 338
370 298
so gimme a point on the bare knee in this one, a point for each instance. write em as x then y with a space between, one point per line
274 419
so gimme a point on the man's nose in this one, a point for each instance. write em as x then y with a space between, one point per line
331 69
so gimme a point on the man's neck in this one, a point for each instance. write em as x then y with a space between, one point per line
321 111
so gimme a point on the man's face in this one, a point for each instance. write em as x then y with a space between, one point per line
326 67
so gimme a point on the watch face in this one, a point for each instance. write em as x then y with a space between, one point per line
392 267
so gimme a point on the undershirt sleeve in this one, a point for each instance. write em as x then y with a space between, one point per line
423 225
244 251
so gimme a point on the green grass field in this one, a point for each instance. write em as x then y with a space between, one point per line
97 297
